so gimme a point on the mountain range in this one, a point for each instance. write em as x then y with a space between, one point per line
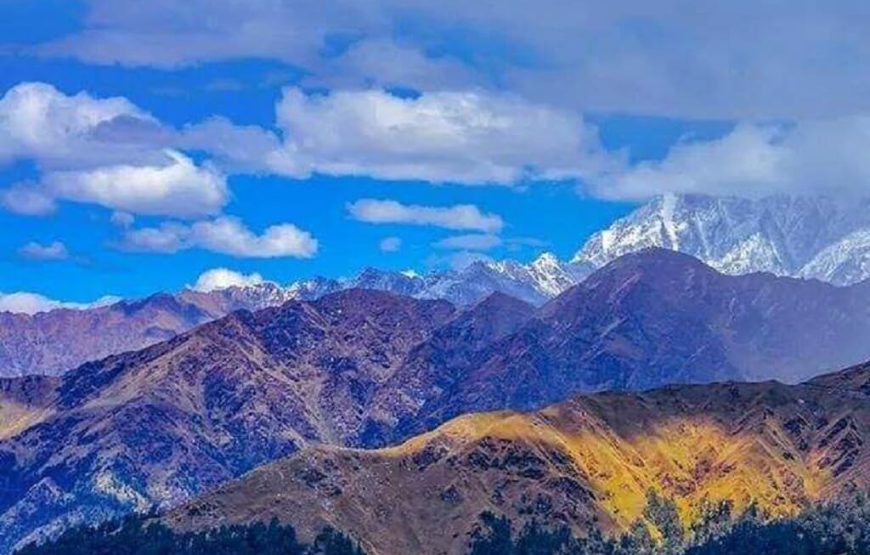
586 463
802 237
50 343
368 368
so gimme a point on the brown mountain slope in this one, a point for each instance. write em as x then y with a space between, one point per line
588 461
159 425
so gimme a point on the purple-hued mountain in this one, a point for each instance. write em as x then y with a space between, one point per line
365 368
50 343
648 319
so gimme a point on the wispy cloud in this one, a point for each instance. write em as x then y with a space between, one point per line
37 251
457 217
390 244
473 242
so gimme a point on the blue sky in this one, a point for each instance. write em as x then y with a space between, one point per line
117 178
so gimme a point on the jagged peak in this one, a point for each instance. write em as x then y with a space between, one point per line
780 234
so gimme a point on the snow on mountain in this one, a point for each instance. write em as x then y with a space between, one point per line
785 235
535 282
844 262
799 236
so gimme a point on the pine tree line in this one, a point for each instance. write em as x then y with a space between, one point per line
837 528
138 536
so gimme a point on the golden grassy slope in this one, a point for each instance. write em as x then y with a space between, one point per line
586 462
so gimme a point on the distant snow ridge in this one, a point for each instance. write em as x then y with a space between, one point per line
811 237
536 282
808 237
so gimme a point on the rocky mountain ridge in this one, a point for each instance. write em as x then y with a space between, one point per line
369 368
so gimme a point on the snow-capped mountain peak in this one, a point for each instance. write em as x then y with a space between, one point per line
784 235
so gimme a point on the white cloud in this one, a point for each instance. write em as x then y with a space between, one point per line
224 235
37 251
178 188
80 132
390 244
22 302
238 149
162 35
809 157
473 242
107 151
39 122
384 62
27 199
168 237
229 236
223 278
457 217
462 137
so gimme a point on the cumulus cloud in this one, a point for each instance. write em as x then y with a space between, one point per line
472 242
461 137
224 235
37 251
178 188
23 302
223 278
457 217
39 122
390 244
229 236
168 237
809 157
109 152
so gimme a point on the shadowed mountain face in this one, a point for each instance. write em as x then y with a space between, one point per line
646 320
586 463
366 368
